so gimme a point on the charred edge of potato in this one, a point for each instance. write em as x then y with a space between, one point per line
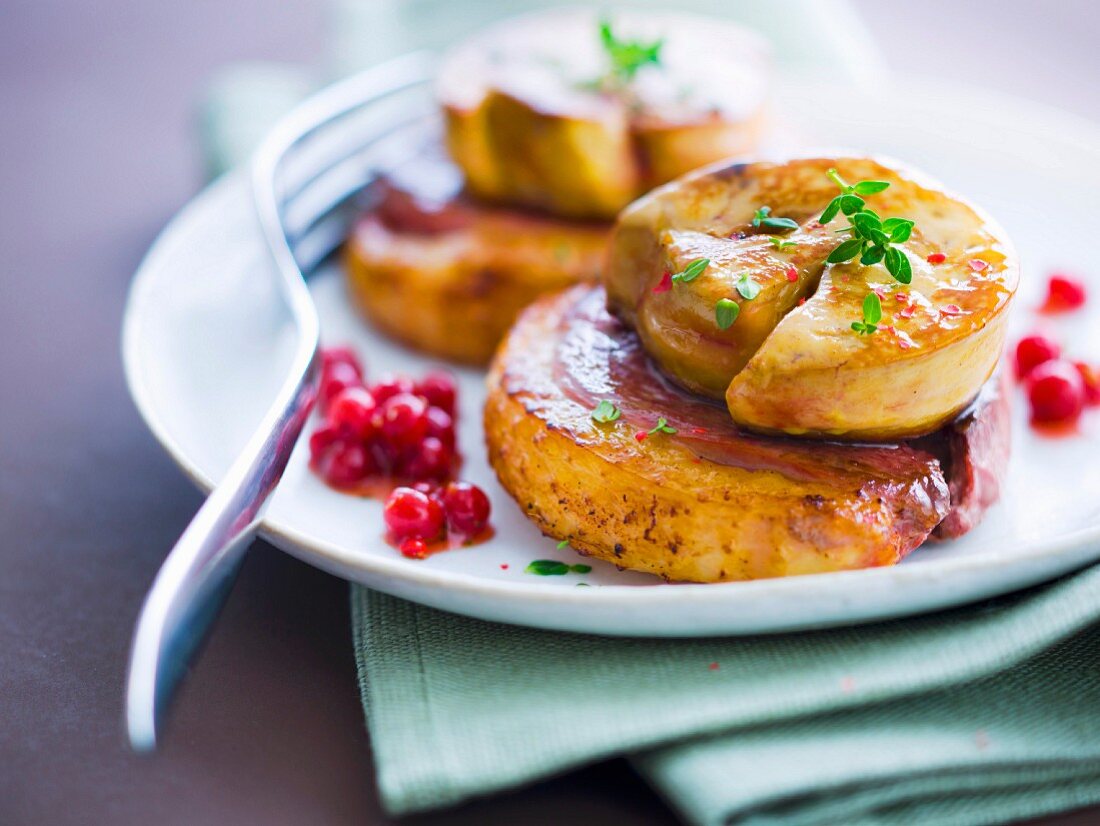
654 508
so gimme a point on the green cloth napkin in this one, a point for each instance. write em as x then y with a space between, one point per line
979 715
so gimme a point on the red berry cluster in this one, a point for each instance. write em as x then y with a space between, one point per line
393 429
426 513
1058 390
396 430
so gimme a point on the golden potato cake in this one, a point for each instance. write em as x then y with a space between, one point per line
446 275
667 484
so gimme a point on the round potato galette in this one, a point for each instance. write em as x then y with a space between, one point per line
825 297
579 115
597 448
447 275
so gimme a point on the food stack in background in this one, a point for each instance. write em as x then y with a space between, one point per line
553 123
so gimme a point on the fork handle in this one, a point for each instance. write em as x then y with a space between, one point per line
198 574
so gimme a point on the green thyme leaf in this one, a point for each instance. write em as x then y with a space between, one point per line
563 544
897 264
726 312
872 309
748 288
846 251
779 224
547 567
870 187
627 56
781 244
831 210
662 426
692 271
872 314
872 256
866 222
899 229
762 218
850 204
580 569
606 412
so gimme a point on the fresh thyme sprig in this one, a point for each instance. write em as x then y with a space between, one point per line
781 244
848 201
873 238
872 315
627 56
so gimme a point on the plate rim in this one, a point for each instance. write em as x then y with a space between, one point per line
331 557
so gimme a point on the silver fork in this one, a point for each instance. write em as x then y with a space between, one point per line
303 219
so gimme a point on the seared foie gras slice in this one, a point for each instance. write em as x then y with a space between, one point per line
448 275
537 116
709 502
791 363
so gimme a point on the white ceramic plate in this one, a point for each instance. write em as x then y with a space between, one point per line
205 349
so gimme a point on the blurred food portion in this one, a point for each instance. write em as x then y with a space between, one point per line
577 114
442 272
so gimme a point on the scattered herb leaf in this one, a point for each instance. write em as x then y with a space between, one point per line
748 288
872 315
606 412
551 567
563 544
762 219
781 244
692 271
726 312
547 567
662 426
627 56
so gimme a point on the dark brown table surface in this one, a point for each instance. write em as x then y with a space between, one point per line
96 153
